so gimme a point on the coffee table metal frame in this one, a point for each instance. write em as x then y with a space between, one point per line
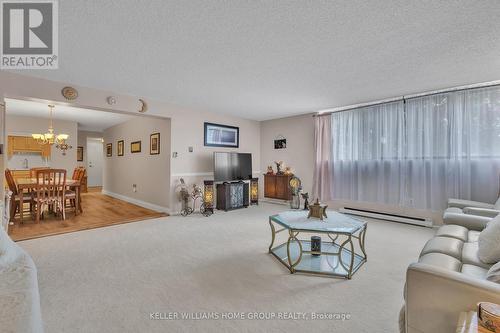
350 267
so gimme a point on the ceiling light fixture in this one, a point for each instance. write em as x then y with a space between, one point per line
50 138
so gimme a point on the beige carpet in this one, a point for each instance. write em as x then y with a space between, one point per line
111 279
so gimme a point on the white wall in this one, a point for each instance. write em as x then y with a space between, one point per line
299 152
151 173
20 125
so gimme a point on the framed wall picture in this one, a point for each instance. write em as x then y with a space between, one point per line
154 144
119 147
135 147
280 143
79 154
109 149
217 135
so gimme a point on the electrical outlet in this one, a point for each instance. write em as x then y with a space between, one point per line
134 187
190 149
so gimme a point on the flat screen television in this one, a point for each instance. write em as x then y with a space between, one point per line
232 166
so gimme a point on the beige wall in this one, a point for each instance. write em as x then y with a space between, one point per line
186 125
187 131
20 125
151 173
82 142
299 153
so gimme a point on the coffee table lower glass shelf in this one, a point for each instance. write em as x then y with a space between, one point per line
338 256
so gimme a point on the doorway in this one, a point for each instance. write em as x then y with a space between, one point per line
94 162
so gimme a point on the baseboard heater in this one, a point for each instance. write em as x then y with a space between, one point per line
420 221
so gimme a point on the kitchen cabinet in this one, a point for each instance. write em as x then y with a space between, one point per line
26 144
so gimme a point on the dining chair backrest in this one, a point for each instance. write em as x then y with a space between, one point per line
11 182
81 174
34 170
50 184
75 173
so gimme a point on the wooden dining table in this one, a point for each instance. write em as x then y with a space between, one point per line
31 183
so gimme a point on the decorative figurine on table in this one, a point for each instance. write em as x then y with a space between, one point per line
288 171
305 196
196 194
317 210
295 188
279 166
270 170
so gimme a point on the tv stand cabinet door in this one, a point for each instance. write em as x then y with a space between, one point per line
270 186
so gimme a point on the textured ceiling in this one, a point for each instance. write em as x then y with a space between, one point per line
271 59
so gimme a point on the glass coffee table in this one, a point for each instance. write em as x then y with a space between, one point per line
339 255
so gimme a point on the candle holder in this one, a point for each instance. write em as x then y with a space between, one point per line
207 208
254 191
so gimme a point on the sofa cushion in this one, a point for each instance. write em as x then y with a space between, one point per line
442 261
474 271
470 256
473 236
489 242
494 273
453 231
454 210
444 245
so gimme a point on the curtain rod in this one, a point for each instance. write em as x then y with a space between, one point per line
405 97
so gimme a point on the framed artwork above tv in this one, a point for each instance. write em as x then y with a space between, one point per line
217 135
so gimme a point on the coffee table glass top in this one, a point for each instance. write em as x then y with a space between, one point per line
335 222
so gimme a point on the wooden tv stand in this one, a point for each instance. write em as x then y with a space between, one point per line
232 195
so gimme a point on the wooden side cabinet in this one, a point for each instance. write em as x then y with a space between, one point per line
277 187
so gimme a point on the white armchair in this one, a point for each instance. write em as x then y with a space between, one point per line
470 214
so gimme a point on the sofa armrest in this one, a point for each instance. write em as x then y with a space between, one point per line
436 296
459 203
481 211
471 222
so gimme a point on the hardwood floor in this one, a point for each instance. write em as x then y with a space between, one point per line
99 210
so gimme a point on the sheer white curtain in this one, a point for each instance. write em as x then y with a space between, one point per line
367 153
421 152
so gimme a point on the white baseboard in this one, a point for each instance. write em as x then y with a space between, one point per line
137 202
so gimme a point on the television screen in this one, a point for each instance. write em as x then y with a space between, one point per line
232 166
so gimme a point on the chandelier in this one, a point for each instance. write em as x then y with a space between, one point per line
50 138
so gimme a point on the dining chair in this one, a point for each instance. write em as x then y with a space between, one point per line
71 195
15 199
34 170
49 192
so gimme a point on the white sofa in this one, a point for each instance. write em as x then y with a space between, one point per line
19 297
448 278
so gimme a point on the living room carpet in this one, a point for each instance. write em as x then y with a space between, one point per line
112 279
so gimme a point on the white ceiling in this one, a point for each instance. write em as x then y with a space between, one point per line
88 120
271 59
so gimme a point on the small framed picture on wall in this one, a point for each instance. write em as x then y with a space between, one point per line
79 154
135 147
120 148
154 144
109 149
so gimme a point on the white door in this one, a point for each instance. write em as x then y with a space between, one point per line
94 162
